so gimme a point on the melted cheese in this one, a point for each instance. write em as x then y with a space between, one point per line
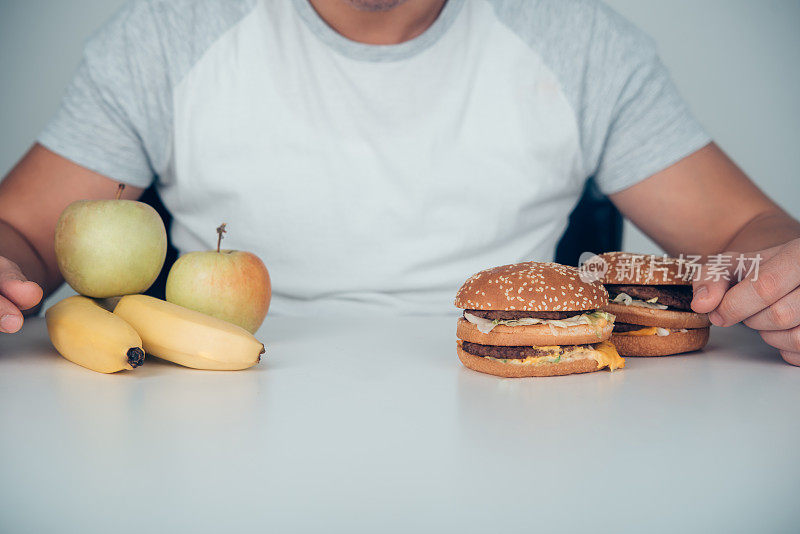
649 331
646 331
604 353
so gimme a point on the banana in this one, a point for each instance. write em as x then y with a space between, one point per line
86 334
188 337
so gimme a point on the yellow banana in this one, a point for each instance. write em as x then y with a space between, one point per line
188 337
86 334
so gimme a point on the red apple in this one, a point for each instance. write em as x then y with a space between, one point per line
231 285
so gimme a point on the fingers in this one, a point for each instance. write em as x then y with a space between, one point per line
769 253
788 340
16 288
16 293
713 281
792 358
24 294
775 278
10 317
782 315
708 294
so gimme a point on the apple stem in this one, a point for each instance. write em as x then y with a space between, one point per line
220 230
120 189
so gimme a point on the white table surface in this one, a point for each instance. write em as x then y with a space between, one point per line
374 426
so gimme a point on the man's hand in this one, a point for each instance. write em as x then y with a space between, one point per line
708 190
32 197
767 300
17 293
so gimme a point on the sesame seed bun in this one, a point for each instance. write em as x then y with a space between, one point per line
674 343
530 286
646 269
532 335
653 317
512 370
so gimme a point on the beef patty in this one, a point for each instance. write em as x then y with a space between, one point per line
514 353
675 297
511 314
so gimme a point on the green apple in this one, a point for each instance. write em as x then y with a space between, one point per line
231 285
107 248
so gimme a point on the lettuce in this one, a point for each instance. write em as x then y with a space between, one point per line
627 300
593 318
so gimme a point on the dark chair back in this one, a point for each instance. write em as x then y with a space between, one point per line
595 225
150 196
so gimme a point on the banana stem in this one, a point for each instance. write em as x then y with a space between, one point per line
135 357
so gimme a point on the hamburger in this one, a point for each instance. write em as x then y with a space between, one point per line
534 319
651 298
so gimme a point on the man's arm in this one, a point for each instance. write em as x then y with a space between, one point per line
32 197
705 204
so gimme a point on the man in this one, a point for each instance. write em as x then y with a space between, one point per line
376 152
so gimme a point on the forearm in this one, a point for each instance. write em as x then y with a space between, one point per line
764 231
15 247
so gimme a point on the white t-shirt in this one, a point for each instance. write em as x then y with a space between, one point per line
372 179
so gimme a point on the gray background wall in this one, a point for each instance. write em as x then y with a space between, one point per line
737 62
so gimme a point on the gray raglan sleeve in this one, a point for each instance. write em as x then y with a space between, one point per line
633 121
114 116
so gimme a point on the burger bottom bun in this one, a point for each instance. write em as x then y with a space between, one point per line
515 370
651 317
674 343
531 335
